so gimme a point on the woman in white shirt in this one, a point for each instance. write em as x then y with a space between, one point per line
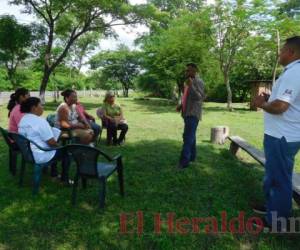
37 129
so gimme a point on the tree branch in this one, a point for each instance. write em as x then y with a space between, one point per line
38 11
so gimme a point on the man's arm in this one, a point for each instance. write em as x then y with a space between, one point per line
275 107
64 123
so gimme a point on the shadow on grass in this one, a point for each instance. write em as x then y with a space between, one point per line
224 109
215 182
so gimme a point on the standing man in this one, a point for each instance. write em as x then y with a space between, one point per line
282 136
191 109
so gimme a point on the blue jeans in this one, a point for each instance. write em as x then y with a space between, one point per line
280 156
96 128
188 152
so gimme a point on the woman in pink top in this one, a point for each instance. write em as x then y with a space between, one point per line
13 107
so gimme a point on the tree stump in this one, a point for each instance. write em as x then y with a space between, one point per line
219 134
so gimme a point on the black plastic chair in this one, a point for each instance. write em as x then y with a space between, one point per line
13 151
86 159
27 157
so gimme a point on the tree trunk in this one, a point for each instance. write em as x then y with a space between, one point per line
125 87
11 77
125 92
44 83
229 92
277 57
275 70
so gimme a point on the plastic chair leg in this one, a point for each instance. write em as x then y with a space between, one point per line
102 192
120 176
74 192
84 182
13 155
23 165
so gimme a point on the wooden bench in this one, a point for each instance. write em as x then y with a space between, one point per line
238 142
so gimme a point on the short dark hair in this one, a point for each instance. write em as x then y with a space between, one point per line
29 103
294 42
66 93
193 65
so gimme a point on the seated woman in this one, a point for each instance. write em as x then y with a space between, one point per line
89 119
67 117
14 112
114 119
14 117
37 129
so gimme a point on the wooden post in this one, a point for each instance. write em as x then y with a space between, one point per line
234 148
219 134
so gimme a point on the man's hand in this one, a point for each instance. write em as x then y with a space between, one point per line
189 81
259 101
178 108
87 126
275 107
266 95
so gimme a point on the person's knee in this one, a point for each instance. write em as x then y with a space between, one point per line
96 131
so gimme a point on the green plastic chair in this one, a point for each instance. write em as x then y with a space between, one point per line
13 151
27 157
88 167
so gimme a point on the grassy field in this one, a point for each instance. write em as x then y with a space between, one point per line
216 182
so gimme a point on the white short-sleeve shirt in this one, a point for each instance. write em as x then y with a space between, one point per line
287 89
38 130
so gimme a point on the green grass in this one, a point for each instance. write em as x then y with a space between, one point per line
216 182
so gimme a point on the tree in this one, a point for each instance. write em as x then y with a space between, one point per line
82 47
291 8
14 41
166 53
175 6
67 20
121 65
232 27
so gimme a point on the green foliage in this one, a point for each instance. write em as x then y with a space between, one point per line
14 40
67 20
290 8
236 43
118 66
188 39
4 83
98 81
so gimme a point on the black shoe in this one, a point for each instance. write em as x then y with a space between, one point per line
121 143
260 209
182 167
263 225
